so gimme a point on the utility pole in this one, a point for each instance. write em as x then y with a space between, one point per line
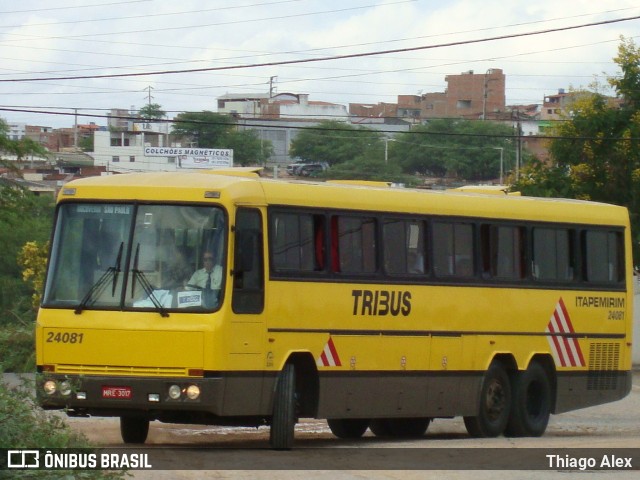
518 144
272 86
75 129
149 96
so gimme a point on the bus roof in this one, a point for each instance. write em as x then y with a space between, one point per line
233 189
489 189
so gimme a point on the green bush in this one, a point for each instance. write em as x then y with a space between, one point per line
17 338
23 425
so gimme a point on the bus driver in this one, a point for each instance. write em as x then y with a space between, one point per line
208 279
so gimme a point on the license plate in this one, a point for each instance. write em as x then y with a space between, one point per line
121 393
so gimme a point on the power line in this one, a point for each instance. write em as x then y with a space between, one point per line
324 59
74 7
146 15
236 22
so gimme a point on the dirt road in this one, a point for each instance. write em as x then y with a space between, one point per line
610 426
190 452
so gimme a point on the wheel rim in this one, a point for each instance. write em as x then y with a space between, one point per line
495 400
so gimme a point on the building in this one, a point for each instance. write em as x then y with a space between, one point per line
16 131
468 95
119 119
281 106
124 150
275 118
242 105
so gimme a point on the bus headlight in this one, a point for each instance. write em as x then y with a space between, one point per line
193 392
49 387
65 388
174 392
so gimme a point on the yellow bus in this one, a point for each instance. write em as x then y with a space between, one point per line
205 298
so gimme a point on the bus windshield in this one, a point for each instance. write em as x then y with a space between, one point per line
137 257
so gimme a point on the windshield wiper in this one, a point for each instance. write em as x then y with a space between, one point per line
146 285
98 287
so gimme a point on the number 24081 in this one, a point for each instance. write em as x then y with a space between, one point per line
64 337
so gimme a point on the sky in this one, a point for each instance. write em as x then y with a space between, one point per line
404 47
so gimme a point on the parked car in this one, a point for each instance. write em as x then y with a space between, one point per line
307 169
293 168
311 169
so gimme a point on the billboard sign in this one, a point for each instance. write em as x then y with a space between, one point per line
208 158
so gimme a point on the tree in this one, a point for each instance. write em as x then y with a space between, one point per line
23 217
247 147
365 168
334 142
205 129
457 148
20 148
598 146
152 111
214 130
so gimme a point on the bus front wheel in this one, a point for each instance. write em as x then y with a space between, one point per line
495 404
283 421
348 427
134 429
531 405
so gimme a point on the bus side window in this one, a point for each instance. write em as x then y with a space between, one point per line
553 254
503 252
297 242
356 244
248 276
404 246
453 249
603 259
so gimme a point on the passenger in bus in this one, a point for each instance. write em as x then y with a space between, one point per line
208 279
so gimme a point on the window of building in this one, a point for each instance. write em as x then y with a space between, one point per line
115 159
462 104
132 158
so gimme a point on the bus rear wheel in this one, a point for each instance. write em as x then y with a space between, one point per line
495 404
531 404
134 429
348 427
283 421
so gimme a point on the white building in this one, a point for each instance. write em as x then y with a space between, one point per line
123 151
146 147
17 131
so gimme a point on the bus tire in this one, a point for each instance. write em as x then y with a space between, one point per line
399 427
408 427
495 404
283 421
380 427
134 429
531 403
348 427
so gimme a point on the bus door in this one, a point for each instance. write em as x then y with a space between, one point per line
247 323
